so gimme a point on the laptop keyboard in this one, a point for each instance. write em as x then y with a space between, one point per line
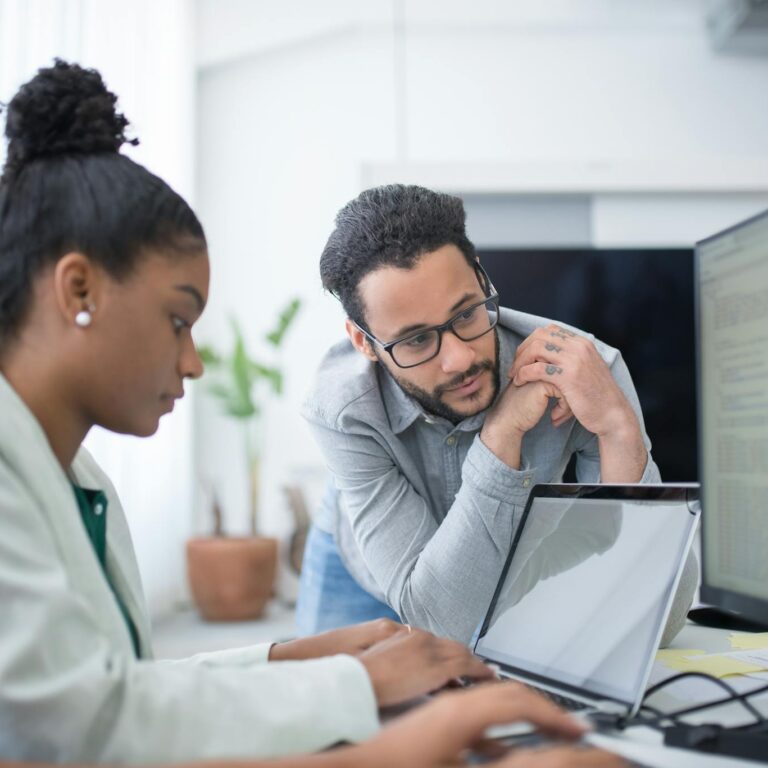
572 705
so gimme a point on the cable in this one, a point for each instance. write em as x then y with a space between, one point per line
681 676
653 710
747 741
737 697
734 696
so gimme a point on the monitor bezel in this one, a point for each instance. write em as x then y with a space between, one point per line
747 606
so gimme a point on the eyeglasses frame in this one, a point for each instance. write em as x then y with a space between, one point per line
491 295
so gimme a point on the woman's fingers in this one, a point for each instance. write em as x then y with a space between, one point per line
513 702
409 664
561 757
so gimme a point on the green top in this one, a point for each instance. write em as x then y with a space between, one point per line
93 510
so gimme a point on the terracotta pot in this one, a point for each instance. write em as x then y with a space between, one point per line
231 579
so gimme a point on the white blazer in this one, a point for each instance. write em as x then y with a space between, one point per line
70 686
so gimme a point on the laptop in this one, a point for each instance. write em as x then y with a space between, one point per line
582 602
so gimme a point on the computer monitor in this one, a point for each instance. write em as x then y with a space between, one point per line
731 271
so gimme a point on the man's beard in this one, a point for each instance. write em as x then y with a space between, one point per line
433 403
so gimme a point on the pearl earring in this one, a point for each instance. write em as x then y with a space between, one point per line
83 318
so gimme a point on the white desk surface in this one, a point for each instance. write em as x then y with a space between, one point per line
645 744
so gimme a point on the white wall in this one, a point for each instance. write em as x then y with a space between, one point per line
587 80
291 126
144 51
282 135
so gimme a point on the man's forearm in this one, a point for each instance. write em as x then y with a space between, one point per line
506 446
623 455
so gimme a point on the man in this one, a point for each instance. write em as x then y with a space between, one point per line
440 413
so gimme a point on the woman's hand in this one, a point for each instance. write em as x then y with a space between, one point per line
350 640
415 662
402 663
560 757
438 733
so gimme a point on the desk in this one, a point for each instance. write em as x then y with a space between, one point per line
645 744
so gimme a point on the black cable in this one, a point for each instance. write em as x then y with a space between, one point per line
653 710
681 676
749 740
737 697
621 722
734 696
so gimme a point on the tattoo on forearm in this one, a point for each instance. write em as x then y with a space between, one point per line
559 335
553 369
550 347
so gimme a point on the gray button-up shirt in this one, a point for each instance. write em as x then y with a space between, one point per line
426 512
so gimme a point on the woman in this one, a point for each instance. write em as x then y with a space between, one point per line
103 272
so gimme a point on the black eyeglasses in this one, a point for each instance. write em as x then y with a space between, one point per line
469 324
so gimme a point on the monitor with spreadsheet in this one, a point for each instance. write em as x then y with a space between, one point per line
732 352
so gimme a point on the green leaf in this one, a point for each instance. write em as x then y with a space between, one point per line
221 391
259 370
237 374
241 410
273 375
241 368
209 355
284 322
277 382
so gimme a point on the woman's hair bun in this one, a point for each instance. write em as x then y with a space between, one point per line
63 109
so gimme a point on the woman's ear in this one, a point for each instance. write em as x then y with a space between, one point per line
76 283
359 341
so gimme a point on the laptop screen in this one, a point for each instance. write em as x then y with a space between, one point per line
587 587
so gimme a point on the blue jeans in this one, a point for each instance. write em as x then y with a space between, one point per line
329 597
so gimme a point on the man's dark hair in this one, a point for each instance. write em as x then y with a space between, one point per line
65 187
394 225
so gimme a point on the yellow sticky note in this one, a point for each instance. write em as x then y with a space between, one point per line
719 665
715 664
746 641
676 658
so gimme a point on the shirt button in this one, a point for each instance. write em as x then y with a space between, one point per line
98 508
450 440
526 482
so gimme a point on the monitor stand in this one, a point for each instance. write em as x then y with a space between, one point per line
708 616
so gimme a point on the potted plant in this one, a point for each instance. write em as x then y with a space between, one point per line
232 578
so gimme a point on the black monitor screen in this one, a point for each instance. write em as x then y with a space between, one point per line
638 300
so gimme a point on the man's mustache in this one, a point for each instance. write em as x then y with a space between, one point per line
470 373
